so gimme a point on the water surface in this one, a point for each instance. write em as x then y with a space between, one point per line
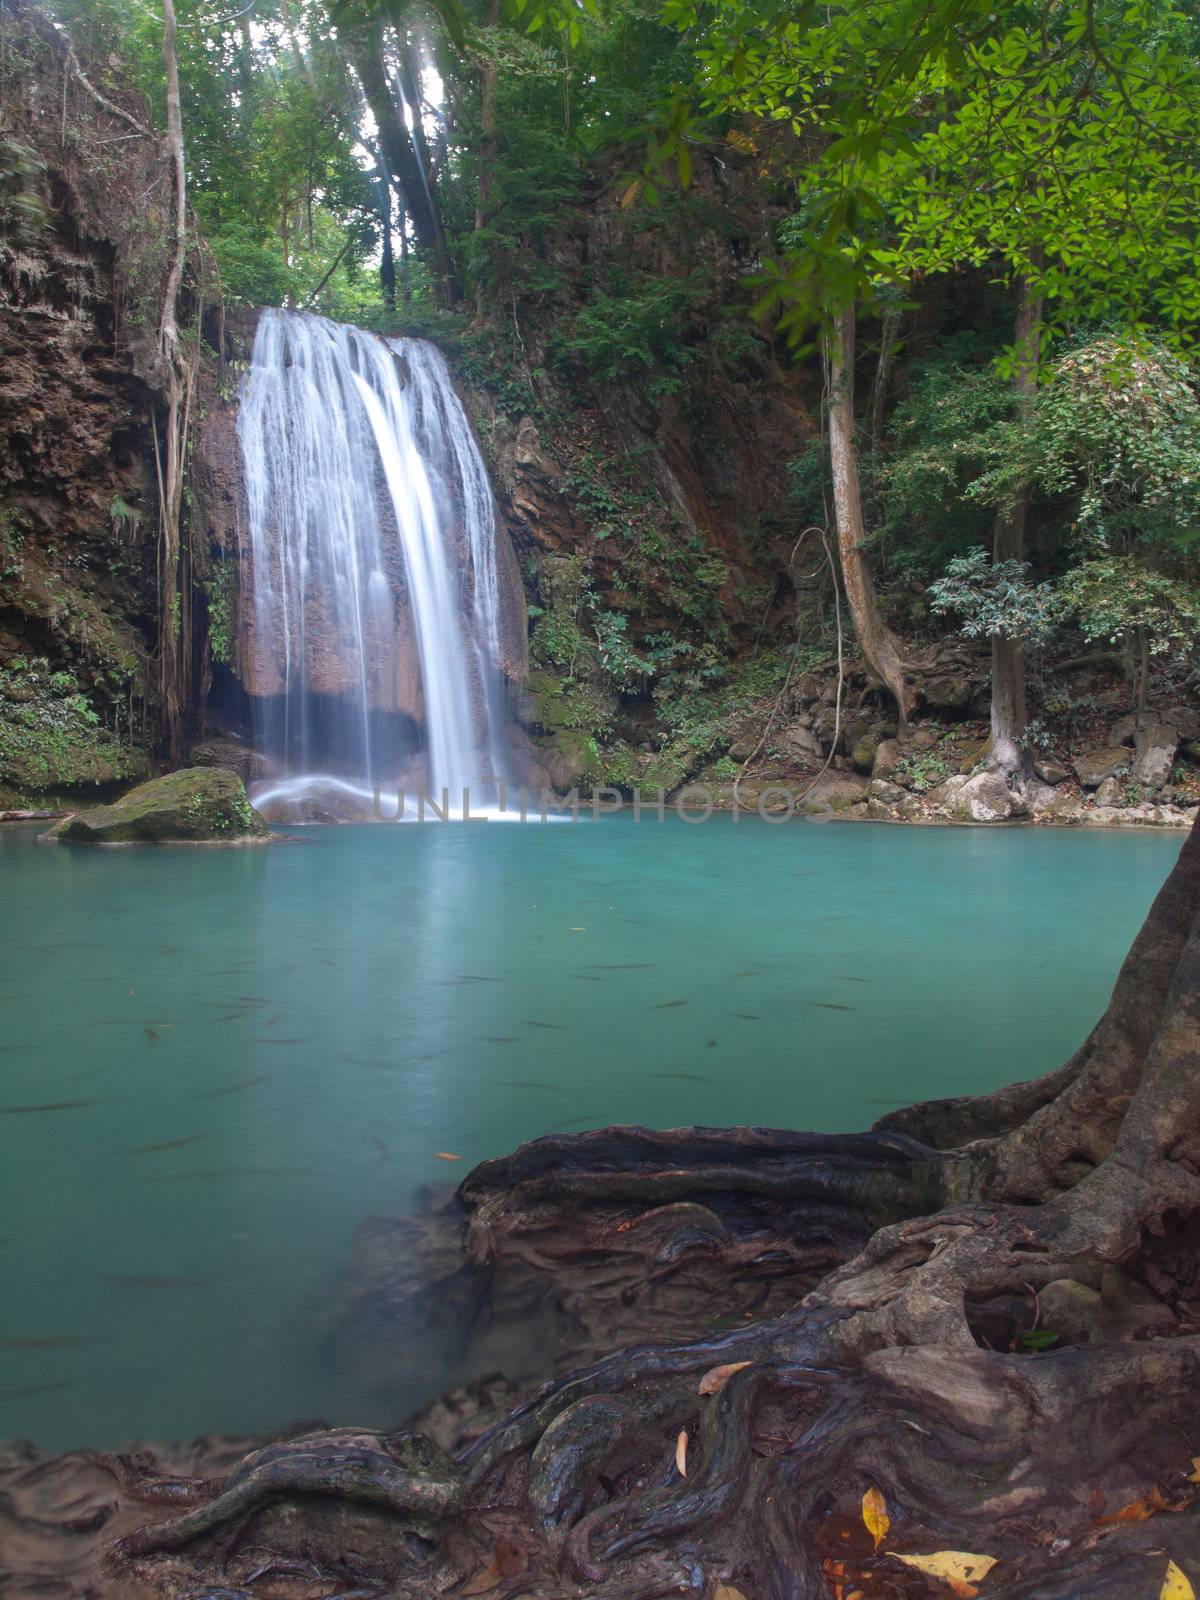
242 1054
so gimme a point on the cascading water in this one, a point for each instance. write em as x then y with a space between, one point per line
373 566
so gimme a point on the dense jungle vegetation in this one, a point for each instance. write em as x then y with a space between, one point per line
960 237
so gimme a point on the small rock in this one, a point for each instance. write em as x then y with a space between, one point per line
1155 755
1051 771
1124 731
862 752
1096 765
949 691
1058 805
797 741
1184 719
1110 793
888 756
916 739
836 791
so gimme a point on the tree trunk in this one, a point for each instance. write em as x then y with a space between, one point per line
402 153
387 260
879 646
171 647
888 332
487 153
1009 713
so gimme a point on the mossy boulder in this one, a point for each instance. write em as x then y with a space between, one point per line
198 805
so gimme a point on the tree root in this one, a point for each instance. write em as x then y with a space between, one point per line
404 1473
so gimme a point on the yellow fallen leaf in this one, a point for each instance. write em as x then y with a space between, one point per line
961 1570
631 194
1175 1585
726 1591
715 1379
875 1515
445 1155
681 1445
1194 1475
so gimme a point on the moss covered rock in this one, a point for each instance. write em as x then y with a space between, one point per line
199 805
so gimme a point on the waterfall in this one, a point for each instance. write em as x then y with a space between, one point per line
375 601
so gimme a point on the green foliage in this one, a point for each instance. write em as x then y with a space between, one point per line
1119 599
922 770
634 328
995 599
221 591
51 735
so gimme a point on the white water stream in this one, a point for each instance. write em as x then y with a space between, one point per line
370 512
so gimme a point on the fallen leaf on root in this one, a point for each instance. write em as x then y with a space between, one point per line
486 1579
445 1155
508 1561
959 1568
1175 1585
1194 1475
875 1515
1139 1510
726 1591
715 1379
681 1445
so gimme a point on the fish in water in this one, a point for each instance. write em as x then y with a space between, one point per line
530 1083
666 1005
445 1155
168 1144
476 977
153 1280
234 1088
253 999
52 1105
711 1044
152 1035
688 1077
625 966
845 977
829 1005
36 1388
746 1016
587 977
532 1022
498 1038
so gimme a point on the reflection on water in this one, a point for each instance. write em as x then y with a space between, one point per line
214 1065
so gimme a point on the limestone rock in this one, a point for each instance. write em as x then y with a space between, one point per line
1155 755
888 756
917 739
862 751
249 765
836 791
1051 771
986 798
197 805
1110 793
1097 765
949 691
1184 719
797 741
1057 805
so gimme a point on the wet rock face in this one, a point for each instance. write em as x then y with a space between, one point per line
198 805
